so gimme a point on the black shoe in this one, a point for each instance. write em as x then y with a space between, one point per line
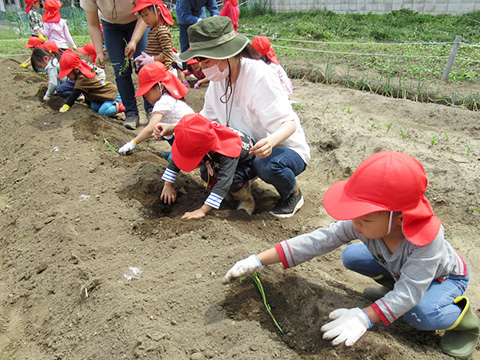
288 207
131 121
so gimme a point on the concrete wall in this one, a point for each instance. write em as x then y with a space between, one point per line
433 7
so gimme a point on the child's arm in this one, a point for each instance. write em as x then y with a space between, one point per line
169 195
146 132
197 214
68 37
70 100
252 264
52 82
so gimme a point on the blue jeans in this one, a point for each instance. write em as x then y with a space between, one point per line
116 37
280 169
435 311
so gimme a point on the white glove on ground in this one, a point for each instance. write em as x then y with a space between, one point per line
46 98
348 326
127 147
243 267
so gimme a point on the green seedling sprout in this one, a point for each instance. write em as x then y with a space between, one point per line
256 279
445 135
110 147
389 126
434 140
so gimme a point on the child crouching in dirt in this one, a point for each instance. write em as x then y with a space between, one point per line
163 89
402 248
43 60
102 97
223 155
193 68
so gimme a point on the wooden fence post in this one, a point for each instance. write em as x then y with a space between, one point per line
456 43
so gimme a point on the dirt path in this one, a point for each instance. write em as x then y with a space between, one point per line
75 217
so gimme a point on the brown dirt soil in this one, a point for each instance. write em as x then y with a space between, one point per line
75 217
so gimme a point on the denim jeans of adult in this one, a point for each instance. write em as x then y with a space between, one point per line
280 169
435 311
184 42
116 37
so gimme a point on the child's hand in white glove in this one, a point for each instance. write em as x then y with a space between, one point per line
243 267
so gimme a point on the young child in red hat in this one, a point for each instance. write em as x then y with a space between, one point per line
46 60
403 248
194 69
160 45
90 56
167 93
101 97
230 9
54 27
32 43
263 46
223 156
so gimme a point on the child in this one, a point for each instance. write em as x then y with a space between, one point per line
90 56
164 90
55 28
48 61
34 18
230 9
402 247
160 45
50 46
103 98
226 162
263 46
193 68
33 42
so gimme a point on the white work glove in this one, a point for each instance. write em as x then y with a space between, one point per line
127 147
64 108
243 267
144 59
348 326
46 98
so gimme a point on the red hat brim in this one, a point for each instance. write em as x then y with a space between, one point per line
419 225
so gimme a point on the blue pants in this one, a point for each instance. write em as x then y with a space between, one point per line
107 108
116 36
435 311
65 89
280 169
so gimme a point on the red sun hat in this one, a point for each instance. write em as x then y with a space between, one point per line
71 60
264 47
195 136
166 15
88 49
154 73
34 41
29 4
386 181
52 11
50 46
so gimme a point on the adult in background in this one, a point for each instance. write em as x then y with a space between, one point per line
247 95
125 37
188 13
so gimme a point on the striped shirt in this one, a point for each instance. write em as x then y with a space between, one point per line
160 43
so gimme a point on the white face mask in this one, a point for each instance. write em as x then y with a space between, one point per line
213 73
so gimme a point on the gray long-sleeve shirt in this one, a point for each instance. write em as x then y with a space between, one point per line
413 267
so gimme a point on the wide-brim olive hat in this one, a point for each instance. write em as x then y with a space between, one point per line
214 38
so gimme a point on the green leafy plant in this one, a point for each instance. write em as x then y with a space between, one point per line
434 140
256 279
389 126
110 147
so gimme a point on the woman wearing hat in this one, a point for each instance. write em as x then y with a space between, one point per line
125 37
402 247
246 95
